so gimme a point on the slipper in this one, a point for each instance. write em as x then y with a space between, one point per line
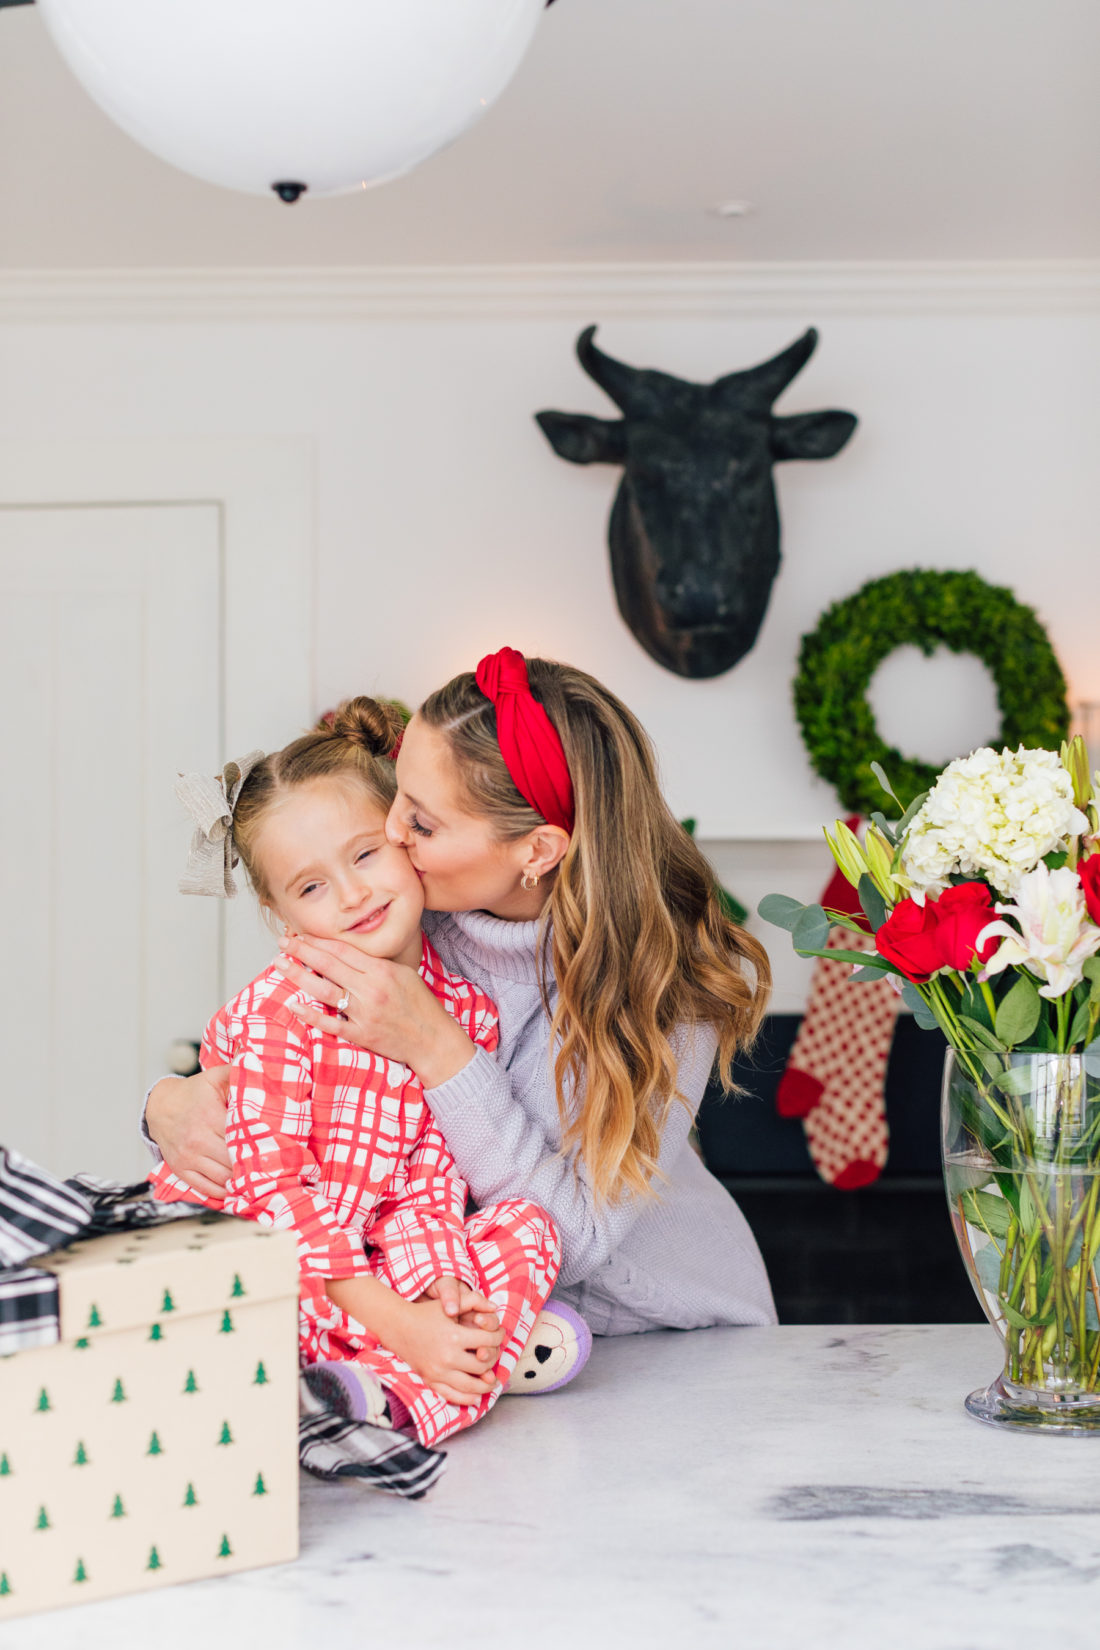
558 1350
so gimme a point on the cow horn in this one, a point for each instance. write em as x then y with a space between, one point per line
618 380
764 384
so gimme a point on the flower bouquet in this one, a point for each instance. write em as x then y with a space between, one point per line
984 903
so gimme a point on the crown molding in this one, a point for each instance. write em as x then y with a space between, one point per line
574 292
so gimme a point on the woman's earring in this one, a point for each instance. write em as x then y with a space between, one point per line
529 881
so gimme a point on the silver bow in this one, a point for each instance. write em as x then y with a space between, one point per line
210 801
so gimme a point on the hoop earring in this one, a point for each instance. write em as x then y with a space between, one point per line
529 886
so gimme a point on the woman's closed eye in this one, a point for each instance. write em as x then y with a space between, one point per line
415 825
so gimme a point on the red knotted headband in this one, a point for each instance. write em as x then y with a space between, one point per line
528 740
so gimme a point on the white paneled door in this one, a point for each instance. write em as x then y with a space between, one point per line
110 682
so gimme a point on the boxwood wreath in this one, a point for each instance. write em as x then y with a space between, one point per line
956 610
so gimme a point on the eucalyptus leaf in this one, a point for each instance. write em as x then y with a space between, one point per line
911 813
1018 1013
780 910
810 930
869 971
913 1000
984 1037
874 906
879 773
1018 1080
1079 1030
1019 1321
987 1211
987 1264
1090 968
886 828
837 954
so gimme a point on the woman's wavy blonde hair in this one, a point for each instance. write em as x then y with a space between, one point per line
639 942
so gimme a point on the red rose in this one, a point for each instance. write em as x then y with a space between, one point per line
1089 872
961 914
908 939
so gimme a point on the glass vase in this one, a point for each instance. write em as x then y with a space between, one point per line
1021 1151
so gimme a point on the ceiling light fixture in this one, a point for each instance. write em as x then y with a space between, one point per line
294 96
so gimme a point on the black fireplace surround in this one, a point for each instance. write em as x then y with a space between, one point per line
885 1254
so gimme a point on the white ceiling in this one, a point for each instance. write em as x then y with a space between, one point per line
860 129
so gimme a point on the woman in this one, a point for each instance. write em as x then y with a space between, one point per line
529 805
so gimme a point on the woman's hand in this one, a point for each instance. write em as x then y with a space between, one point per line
186 1118
390 1010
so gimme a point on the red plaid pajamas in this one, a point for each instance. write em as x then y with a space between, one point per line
339 1144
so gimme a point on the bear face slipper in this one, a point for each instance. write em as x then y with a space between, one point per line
557 1351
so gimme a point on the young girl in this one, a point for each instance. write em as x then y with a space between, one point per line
409 1313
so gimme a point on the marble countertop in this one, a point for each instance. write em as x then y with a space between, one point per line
792 1488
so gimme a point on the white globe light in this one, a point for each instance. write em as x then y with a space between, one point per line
325 95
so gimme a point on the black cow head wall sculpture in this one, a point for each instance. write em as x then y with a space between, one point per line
694 530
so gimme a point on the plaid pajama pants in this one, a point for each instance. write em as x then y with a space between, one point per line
515 1252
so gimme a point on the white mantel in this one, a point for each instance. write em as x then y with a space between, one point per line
765 1489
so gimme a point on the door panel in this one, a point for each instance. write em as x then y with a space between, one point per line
110 682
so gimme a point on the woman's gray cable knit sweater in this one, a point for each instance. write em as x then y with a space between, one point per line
683 1261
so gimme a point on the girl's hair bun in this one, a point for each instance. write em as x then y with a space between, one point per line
374 724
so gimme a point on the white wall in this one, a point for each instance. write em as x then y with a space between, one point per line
446 526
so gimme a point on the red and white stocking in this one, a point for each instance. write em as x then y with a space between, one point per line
836 1072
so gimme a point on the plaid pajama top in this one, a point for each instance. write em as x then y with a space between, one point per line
338 1143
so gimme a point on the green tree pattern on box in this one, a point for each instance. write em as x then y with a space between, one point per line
190 1499
226 1436
42 1522
261 1377
238 1288
156 1333
80 1574
190 1385
80 1459
155 1446
154 1561
957 610
43 1403
227 1323
94 1319
168 1304
118 1396
5 1584
259 1488
118 1510
5 1466
225 1550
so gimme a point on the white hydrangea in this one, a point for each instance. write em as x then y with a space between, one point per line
994 814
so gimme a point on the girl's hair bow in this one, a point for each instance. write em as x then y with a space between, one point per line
210 801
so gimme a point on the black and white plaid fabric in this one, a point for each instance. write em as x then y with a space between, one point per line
332 1447
28 1309
117 1208
39 1212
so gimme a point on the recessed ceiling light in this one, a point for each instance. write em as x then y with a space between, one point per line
731 209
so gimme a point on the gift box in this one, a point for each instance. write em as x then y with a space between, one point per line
157 1440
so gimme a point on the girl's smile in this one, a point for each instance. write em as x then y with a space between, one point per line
332 871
